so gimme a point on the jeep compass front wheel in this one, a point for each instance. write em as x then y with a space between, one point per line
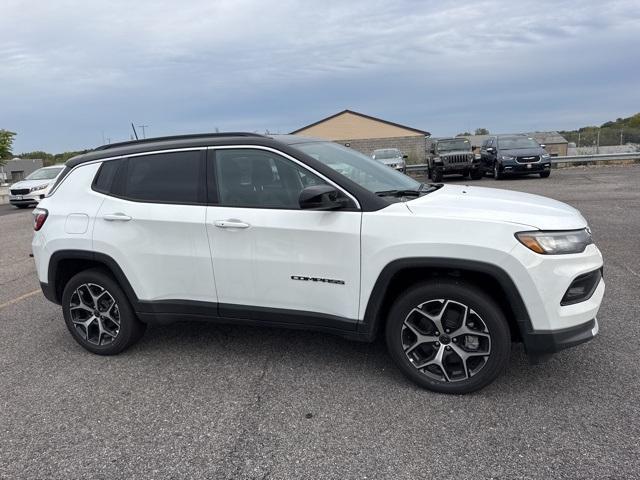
448 336
98 314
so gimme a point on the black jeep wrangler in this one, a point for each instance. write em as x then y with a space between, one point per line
452 155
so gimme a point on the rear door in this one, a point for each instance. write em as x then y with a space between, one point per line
152 223
271 259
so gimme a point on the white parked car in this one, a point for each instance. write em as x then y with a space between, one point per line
288 231
391 157
31 190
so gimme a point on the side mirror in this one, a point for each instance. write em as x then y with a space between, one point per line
433 150
542 145
404 157
491 150
321 197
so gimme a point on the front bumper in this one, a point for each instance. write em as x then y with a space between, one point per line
28 199
525 168
542 344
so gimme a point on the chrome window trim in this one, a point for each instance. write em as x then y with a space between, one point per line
213 147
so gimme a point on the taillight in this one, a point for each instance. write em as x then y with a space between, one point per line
39 217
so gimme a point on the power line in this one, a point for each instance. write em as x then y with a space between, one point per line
144 134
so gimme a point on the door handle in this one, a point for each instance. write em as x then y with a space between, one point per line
116 217
231 223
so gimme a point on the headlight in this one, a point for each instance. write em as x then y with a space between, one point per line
437 160
39 187
545 156
507 157
556 242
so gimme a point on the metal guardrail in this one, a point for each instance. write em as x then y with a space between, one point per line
420 167
597 156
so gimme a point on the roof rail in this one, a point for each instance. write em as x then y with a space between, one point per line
178 137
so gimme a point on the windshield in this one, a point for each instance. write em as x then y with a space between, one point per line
457 144
384 154
357 167
514 143
45 174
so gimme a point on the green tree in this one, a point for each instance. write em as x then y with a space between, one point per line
482 131
6 144
463 134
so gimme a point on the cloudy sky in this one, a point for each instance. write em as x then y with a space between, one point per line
73 72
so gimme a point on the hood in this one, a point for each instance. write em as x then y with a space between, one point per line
31 183
492 204
522 152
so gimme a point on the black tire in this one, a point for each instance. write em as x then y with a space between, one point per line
465 174
436 175
130 329
486 310
496 172
477 174
545 174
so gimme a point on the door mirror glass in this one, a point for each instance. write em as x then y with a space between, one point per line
542 145
322 197
491 149
404 157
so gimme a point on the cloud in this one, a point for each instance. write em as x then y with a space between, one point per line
71 70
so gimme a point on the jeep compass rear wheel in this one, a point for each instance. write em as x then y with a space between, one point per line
448 337
98 314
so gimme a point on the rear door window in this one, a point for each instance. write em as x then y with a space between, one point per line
172 177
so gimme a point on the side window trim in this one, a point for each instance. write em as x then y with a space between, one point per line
304 166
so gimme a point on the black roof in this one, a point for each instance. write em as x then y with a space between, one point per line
167 143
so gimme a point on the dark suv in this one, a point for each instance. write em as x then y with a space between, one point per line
514 154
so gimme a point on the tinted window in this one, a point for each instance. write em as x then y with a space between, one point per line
176 177
255 178
105 176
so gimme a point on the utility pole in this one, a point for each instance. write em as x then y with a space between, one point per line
144 134
622 130
598 143
578 138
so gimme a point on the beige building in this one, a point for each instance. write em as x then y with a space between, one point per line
366 134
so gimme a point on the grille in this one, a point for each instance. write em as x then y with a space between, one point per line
457 158
20 191
528 159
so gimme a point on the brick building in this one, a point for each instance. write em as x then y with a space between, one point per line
366 134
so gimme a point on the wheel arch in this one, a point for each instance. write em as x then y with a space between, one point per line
64 264
400 274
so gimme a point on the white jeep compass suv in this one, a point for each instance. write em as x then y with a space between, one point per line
289 231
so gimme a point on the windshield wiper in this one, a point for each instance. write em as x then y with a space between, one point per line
421 190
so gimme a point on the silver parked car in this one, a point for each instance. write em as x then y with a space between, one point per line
391 157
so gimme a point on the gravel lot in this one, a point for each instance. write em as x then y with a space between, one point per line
207 401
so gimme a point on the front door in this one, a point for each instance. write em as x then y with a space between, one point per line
270 258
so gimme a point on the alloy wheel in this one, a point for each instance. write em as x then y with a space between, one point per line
446 340
95 314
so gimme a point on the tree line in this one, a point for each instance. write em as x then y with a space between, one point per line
618 132
6 151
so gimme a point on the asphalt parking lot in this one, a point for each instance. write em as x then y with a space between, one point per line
210 401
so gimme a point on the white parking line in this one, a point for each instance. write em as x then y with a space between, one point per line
17 299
